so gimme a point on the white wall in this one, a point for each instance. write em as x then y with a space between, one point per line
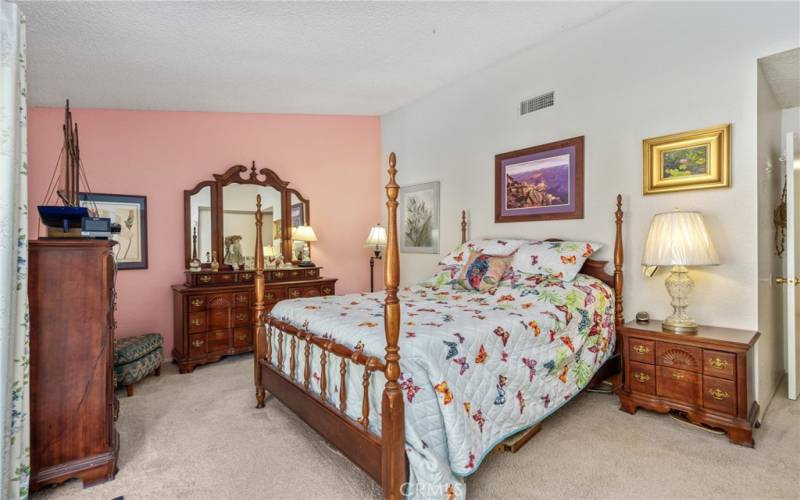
770 349
644 70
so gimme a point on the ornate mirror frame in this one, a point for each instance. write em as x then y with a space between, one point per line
239 174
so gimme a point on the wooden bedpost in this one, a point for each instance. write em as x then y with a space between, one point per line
619 315
260 333
393 455
463 226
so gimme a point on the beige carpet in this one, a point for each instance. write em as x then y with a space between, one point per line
199 436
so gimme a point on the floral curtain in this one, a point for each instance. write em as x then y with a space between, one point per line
14 328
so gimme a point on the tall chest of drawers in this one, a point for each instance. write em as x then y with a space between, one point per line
213 311
702 375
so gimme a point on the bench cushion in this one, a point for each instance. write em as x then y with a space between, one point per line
130 349
135 371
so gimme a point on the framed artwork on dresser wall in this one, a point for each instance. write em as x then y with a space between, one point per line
542 182
419 218
130 212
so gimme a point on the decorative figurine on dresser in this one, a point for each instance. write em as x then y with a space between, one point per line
213 308
702 375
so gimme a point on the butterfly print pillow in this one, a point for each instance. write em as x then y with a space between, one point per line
560 259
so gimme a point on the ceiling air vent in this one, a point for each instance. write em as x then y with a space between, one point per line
537 103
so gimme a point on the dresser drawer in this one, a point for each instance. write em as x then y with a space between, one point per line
198 322
241 299
197 346
218 340
274 295
643 351
241 316
719 364
219 318
215 278
719 395
197 303
242 337
643 378
296 292
296 274
679 385
678 356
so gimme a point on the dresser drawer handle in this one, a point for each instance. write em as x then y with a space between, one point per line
295 293
326 290
205 278
241 316
270 296
718 394
247 276
278 275
678 375
197 322
641 349
197 302
198 343
241 298
719 364
641 377
242 336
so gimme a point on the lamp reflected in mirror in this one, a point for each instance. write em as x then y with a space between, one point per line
306 235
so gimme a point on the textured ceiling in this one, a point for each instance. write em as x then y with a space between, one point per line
289 57
782 72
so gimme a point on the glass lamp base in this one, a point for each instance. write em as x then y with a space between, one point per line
679 326
679 285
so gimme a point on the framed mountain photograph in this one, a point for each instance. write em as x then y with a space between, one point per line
540 183
419 218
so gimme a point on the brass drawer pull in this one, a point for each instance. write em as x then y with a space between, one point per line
247 276
295 293
242 336
718 394
270 296
641 377
719 364
241 298
198 343
278 274
678 375
197 322
197 302
241 316
641 349
205 278
326 290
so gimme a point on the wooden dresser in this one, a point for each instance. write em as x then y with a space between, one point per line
71 293
702 375
213 314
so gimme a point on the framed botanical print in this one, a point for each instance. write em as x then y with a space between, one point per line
540 183
130 212
419 218
698 159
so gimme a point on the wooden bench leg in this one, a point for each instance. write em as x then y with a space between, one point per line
129 388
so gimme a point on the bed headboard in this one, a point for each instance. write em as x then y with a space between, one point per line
593 267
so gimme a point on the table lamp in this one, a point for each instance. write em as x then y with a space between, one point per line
679 239
307 235
269 253
376 239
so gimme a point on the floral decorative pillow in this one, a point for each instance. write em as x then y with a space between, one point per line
496 247
445 276
483 272
561 259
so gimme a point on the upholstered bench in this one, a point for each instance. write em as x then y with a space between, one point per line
137 357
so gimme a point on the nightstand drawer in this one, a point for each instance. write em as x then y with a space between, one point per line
719 364
643 351
679 356
719 395
679 385
643 378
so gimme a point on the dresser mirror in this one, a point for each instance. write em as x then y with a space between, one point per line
220 218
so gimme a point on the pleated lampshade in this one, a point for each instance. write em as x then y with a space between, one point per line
679 239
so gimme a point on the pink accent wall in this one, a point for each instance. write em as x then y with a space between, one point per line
332 160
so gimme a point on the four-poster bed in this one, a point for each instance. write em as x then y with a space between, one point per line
307 379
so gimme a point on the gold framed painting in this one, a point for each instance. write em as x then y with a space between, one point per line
698 159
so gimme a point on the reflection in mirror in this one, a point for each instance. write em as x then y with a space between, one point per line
299 218
238 222
200 214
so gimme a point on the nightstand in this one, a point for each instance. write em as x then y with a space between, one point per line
702 375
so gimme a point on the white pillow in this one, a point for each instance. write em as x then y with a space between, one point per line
561 259
498 247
